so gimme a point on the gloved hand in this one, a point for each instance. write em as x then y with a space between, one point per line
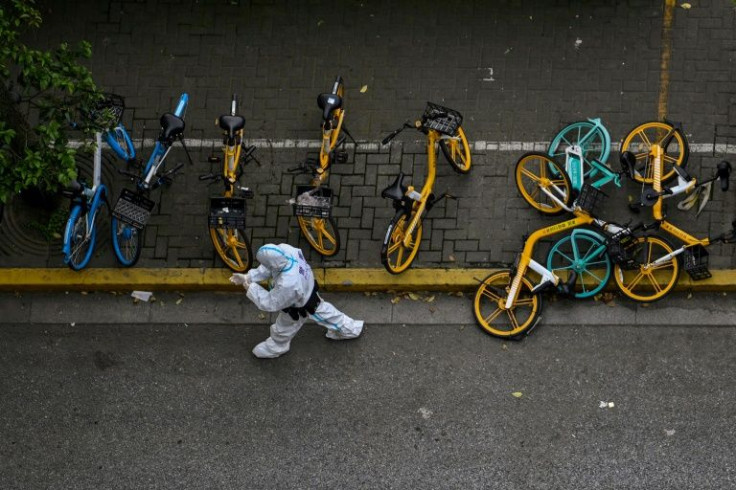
240 279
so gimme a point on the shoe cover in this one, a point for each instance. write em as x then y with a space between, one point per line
269 349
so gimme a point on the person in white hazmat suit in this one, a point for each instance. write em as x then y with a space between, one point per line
294 295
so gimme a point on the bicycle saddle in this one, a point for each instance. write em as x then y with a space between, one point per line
396 190
171 126
231 124
328 103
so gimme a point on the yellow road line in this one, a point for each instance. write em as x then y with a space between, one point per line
332 279
664 65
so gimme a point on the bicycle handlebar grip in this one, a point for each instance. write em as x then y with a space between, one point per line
207 176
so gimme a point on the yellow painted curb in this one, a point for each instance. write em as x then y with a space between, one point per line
330 279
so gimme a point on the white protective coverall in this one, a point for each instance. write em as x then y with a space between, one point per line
292 284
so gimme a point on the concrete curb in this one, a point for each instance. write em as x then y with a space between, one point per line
330 279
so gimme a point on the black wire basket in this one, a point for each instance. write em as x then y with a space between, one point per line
441 119
695 262
591 199
317 203
109 111
226 212
622 248
133 208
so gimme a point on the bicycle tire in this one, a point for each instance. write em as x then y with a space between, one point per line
315 230
631 281
533 167
597 146
578 252
127 242
393 243
639 141
233 247
488 299
80 248
457 153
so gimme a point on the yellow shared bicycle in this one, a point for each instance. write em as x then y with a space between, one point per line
227 213
404 233
313 203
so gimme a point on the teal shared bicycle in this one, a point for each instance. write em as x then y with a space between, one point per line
544 182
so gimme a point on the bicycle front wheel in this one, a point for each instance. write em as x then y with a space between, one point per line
538 178
585 254
233 247
80 246
649 282
396 256
127 242
490 309
594 143
321 233
640 140
457 151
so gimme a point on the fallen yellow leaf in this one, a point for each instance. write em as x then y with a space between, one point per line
517 394
413 296
178 301
686 6
363 89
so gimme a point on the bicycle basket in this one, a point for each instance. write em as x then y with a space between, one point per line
109 111
313 201
441 119
622 249
695 263
590 198
227 212
133 208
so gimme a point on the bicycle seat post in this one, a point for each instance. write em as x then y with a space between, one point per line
97 169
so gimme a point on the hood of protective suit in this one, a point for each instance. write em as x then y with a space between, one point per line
274 258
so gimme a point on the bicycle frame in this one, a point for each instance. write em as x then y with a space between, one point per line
574 168
160 150
330 134
88 202
421 203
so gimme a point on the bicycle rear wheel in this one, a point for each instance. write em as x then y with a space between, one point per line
585 254
127 241
395 256
457 151
491 313
233 247
321 233
80 246
646 284
639 141
592 140
537 175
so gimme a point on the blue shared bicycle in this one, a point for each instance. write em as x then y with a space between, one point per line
133 208
80 232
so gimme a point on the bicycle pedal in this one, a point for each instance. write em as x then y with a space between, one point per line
246 192
214 159
341 156
568 287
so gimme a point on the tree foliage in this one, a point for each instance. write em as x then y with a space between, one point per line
42 94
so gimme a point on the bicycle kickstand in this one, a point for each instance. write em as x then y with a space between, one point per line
345 130
434 200
186 150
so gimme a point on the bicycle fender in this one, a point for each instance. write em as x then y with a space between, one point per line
590 233
66 249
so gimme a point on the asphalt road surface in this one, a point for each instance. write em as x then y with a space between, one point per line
437 406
